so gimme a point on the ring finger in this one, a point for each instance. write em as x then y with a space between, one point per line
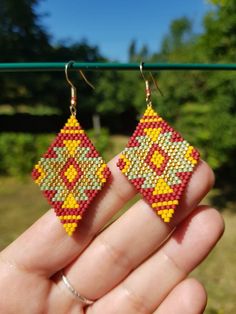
129 241
148 285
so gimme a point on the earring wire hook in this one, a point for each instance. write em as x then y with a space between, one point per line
147 86
148 89
86 80
73 101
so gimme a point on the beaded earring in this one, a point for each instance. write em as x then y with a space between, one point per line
158 161
71 172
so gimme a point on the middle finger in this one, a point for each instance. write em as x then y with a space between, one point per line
130 240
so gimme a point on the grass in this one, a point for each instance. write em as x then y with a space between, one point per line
218 271
21 203
118 143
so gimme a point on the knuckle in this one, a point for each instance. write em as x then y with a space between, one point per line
117 256
135 303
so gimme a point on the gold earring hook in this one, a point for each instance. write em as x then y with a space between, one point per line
148 89
141 70
73 100
156 84
86 80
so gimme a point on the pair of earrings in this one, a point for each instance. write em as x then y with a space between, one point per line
157 161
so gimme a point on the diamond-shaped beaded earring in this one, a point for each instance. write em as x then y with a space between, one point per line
158 161
71 172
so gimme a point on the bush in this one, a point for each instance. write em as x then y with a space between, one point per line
101 141
20 151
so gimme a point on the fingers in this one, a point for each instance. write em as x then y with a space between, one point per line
129 241
45 248
188 297
148 285
46 238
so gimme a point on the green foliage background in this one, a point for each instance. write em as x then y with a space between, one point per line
199 104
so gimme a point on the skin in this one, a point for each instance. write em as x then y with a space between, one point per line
138 264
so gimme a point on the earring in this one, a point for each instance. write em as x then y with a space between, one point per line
71 172
158 161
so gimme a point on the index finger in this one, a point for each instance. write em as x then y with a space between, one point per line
45 248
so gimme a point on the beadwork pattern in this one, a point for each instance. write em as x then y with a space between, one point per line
159 163
70 174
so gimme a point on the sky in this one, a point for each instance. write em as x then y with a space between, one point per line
112 25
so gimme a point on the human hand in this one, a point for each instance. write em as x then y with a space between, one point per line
138 264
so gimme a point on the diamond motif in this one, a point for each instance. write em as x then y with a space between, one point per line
70 174
157 158
159 163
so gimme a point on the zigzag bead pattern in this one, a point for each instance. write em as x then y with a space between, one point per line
70 174
159 163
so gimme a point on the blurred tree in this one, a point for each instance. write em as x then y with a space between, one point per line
23 38
219 38
136 56
203 104
180 31
218 44
218 2
21 34
179 34
132 51
174 44
144 52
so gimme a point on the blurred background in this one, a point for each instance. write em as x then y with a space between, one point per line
199 104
